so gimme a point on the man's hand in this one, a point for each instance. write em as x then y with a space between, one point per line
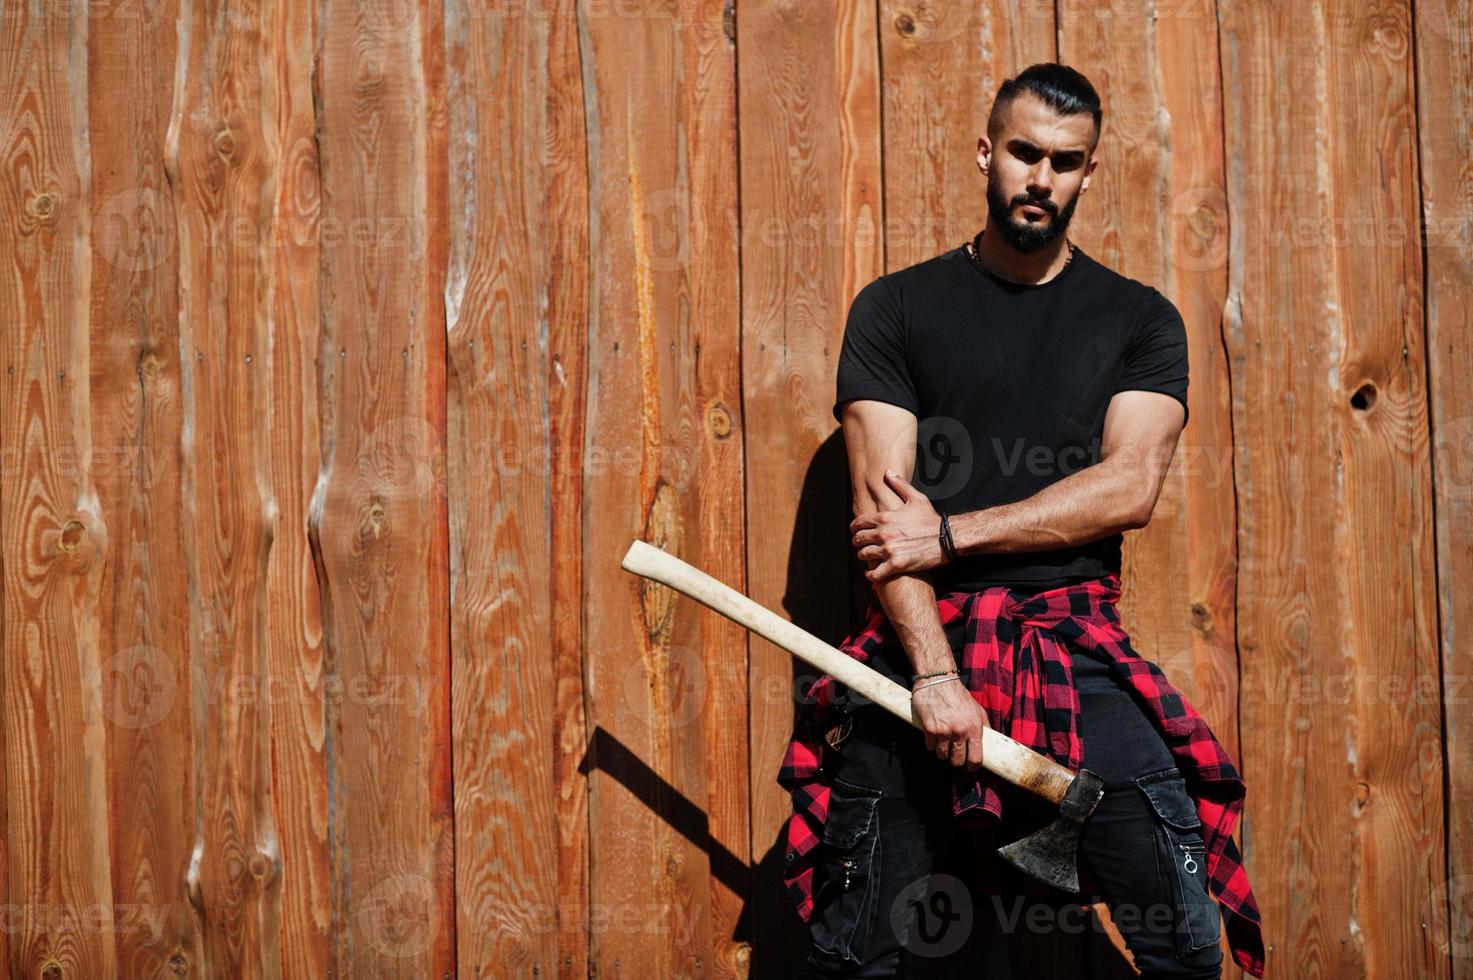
952 721
905 540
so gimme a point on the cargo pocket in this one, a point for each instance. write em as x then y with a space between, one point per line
846 896
1183 855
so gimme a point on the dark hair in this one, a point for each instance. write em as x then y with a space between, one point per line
1058 86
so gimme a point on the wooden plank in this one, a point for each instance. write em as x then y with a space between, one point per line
136 383
218 158
711 656
295 651
378 524
667 793
1444 54
812 228
565 269
1156 211
540 173
504 557
55 537
1336 618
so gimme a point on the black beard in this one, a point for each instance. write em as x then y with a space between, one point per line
1027 237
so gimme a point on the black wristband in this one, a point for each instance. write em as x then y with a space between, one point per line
948 548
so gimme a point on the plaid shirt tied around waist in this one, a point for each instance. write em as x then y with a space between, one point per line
1016 660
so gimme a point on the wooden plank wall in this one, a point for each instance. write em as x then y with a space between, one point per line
349 344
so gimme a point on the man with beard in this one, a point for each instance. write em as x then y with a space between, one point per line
1035 397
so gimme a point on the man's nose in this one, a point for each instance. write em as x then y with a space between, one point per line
1041 180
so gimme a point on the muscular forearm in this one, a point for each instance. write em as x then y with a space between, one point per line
1093 503
909 602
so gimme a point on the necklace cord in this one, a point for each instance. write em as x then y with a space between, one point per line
976 256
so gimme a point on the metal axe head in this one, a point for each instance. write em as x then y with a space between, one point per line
1052 854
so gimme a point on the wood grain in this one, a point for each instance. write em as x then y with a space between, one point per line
136 380
1444 65
564 267
58 854
503 557
378 523
218 159
295 650
1336 611
663 456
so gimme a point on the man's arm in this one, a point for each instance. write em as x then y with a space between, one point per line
880 436
1116 494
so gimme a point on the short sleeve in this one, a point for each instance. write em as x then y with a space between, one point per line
1157 357
872 360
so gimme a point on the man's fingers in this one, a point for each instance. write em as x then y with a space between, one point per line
899 485
974 753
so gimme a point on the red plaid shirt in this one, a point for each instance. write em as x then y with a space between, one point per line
1016 660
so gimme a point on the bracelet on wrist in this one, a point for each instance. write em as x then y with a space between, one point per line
935 673
932 683
948 546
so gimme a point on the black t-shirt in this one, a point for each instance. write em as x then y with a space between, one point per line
1009 384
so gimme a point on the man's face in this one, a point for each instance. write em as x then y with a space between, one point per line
1039 166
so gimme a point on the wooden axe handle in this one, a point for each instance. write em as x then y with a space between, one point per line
1011 760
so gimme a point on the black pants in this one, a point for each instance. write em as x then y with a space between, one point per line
893 879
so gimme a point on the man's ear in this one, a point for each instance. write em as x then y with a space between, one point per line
1088 172
984 153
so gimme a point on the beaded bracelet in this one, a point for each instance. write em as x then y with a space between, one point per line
938 673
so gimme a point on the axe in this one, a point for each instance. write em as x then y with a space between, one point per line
1049 854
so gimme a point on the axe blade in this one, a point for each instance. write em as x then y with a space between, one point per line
1052 854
